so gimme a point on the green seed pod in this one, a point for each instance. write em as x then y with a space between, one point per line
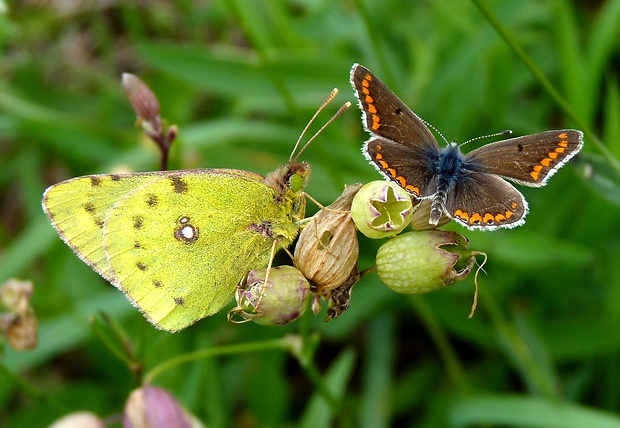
425 261
279 301
381 209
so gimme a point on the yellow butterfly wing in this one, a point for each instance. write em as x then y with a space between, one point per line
175 242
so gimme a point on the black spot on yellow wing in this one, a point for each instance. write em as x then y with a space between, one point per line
152 200
138 222
178 300
95 181
178 184
141 266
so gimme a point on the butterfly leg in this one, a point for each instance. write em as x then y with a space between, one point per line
271 256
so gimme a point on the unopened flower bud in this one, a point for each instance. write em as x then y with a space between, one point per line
79 420
381 209
424 261
280 300
327 249
150 407
142 99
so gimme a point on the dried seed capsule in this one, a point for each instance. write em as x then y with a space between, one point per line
327 249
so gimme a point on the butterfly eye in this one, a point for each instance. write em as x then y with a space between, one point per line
296 182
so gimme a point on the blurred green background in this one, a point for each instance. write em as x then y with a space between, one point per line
241 79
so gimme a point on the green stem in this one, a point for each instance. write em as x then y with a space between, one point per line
283 343
546 83
288 343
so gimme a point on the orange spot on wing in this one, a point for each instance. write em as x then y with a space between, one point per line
391 171
560 149
366 81
514 205
412 189
461 214
475 218
401 181
552 155
509 214
375 121
378 156
488 218
372 110
500 217
563 135
563 144
383 164
369 99
537 168
546 161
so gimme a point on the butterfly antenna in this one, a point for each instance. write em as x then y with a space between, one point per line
331 96
506 132
436 130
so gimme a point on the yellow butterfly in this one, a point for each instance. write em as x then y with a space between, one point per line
177 242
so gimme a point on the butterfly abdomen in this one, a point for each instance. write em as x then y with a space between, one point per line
449 168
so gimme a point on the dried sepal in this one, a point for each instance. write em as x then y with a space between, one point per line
421 217
19 324
339 298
